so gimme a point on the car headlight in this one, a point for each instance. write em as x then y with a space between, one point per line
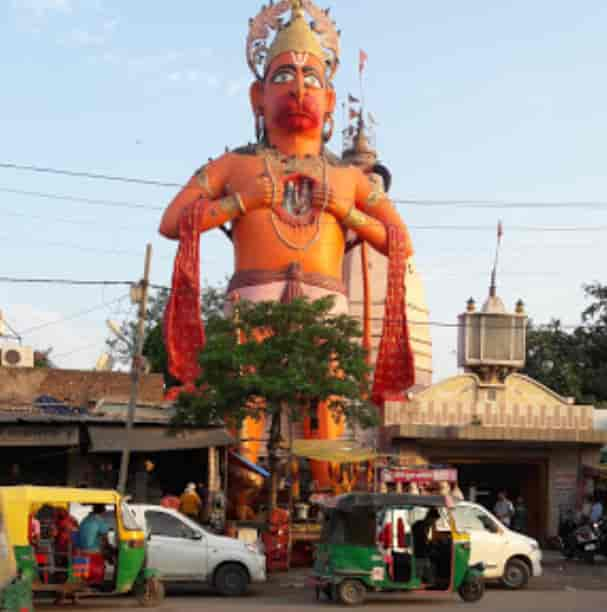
534 546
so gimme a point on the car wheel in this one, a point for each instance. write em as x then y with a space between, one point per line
351 593
231 580
516 574
472 590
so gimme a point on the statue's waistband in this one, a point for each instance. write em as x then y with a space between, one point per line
293 275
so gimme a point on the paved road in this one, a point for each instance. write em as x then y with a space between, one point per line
566 587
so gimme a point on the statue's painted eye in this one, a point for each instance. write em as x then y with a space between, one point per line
283 77
311 80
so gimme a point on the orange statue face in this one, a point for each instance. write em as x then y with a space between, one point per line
294 99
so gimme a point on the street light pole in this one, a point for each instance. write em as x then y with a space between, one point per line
140 296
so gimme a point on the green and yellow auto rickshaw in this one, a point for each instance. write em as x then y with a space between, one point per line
15 594
44 537
375 542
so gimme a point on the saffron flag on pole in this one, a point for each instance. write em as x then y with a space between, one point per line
500 230
353 100
362 61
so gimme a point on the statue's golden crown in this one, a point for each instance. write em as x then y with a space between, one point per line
319 37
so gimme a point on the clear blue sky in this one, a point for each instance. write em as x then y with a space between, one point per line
475 100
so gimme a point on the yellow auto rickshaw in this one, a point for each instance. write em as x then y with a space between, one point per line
15 596
52 556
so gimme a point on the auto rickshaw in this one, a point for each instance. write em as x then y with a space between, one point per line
48 555
15 594
369 544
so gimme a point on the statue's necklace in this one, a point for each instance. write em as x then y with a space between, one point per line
296 207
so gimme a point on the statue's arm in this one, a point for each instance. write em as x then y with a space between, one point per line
206 187
373 213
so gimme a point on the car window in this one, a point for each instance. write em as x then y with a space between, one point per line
473 519
163 524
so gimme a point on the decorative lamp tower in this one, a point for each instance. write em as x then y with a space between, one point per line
492 342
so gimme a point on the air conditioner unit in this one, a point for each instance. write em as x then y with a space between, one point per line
17 357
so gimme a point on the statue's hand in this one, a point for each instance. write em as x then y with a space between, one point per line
325 198
261 192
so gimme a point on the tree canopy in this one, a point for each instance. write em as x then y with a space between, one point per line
273 357
573 362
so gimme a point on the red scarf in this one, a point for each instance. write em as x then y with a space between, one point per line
395 368
184 335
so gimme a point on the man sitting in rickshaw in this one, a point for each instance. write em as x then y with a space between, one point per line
422 545
94 542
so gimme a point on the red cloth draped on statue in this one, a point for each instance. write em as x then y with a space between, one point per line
183 329
395 368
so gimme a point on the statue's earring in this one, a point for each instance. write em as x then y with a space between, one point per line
260 128
328 131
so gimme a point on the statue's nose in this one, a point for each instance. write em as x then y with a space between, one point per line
299 88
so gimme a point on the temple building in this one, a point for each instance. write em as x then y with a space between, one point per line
500 429
362 153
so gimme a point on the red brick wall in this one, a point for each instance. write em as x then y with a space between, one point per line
23 385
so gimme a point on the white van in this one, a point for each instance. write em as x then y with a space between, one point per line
509 557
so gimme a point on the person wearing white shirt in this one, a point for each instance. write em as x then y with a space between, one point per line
596 512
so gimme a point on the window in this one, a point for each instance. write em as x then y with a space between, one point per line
472 519
163 524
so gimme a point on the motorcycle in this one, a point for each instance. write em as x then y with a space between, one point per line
583 542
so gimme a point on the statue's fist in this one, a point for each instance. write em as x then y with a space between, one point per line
261 192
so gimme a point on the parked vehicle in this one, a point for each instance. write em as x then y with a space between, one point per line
71 572
372 542
584 542
185 552
508 556
15 594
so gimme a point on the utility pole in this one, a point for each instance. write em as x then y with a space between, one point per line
139 295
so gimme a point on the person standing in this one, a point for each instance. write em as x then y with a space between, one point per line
190 503
596 511
504 510
521 516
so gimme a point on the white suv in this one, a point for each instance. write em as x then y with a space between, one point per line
182 551
508 556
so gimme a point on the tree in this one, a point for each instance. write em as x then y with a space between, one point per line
274 358
120 348
573 363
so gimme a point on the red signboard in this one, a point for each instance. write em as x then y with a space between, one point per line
418 476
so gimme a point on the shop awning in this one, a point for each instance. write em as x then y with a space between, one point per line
598 472
337 451
151 439
249 465
34 434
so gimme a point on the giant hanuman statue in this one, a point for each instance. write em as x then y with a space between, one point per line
290 205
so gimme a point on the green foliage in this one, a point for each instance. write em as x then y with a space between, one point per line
213 300
573 363
306 355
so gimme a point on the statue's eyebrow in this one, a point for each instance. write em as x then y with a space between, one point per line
290 67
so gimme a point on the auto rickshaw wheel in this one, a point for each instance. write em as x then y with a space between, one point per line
150 593
351 592
472 590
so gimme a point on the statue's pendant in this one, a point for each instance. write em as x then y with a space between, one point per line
297 199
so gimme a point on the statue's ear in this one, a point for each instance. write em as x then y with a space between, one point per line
256 96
